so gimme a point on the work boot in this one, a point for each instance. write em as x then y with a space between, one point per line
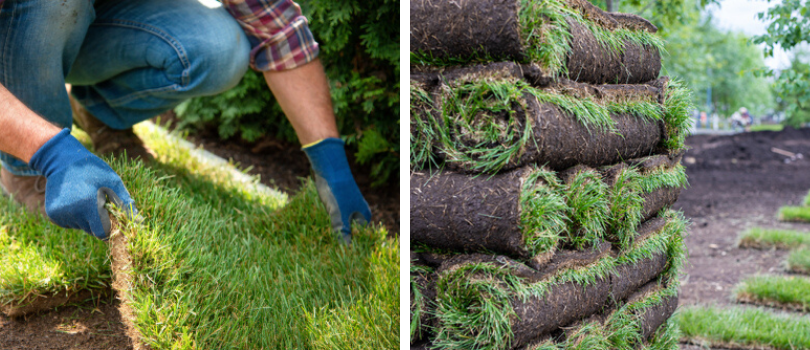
26 190
109 141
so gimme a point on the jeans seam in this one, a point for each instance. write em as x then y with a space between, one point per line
7 43
174 43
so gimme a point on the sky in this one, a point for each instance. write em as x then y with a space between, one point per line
741 15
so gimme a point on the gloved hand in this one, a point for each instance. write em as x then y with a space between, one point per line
78 186
336 186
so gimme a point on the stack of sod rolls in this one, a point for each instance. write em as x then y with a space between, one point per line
545 154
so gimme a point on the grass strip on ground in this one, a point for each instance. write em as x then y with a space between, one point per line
763 238
799 261
787 292
767 127
794 213
742 327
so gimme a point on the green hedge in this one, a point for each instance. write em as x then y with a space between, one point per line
360 50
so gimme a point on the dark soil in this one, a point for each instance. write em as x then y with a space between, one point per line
737 182
93 325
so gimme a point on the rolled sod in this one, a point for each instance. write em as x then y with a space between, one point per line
625 326
485 305
430 77
490 127
520 213
638 190
572 38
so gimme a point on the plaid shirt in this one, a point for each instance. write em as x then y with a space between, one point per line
277 31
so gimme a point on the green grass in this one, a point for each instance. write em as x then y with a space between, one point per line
543 211
758 237
799 261
767 127
739 327
789 292
625 203
586 195
806 201
677 111
220 265
794 213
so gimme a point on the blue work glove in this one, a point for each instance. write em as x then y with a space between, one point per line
78 186
336 186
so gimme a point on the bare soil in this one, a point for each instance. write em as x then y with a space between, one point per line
92 325
737 182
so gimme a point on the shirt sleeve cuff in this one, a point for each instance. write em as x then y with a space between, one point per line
291 47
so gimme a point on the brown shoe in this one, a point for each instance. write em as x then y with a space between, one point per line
26 190
107 140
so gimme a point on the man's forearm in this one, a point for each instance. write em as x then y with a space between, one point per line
22 132
303 94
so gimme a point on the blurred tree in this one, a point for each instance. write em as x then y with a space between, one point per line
703 56
789 28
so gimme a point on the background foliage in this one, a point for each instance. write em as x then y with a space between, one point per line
789 28
359 44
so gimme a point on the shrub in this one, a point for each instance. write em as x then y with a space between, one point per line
360 51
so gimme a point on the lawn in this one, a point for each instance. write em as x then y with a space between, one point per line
762 238
219 264
794 213
743 328
788 292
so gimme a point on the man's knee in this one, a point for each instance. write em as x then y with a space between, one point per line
219 59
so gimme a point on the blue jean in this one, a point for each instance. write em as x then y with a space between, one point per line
127 60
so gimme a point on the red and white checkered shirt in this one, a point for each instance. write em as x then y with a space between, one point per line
278 33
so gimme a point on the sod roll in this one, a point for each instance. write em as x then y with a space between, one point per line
522 130
457 212
567 37
490 303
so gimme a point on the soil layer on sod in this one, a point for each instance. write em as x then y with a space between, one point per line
496 30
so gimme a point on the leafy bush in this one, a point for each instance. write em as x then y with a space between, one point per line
360 51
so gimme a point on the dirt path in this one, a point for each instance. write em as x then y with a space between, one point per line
737 182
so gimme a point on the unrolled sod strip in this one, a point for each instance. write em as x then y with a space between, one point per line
489 305
572 38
